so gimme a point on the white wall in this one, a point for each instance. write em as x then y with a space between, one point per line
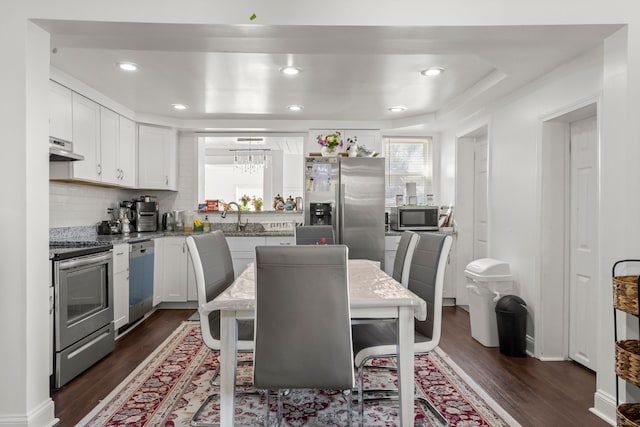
23 306
514 181
24 270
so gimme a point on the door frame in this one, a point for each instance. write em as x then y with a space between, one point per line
554 220
464 210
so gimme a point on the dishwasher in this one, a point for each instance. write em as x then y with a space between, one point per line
140 280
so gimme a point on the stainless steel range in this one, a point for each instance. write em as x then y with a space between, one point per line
83 310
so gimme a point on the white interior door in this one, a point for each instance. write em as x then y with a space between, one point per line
480 216
584 243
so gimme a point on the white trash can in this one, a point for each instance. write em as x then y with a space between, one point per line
487 280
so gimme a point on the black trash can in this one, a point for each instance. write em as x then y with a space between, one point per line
511 316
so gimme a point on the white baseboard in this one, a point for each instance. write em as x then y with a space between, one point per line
604 406
42 416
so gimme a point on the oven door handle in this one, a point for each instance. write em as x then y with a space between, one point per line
82 262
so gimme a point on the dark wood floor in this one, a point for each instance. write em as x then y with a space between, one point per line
535 393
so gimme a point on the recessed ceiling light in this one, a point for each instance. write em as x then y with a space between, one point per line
295 107
127 66
397 109
290 71
432 71
179 106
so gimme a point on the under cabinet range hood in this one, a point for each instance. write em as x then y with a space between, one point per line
62 151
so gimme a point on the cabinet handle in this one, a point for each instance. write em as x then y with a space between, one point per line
99 169
166 180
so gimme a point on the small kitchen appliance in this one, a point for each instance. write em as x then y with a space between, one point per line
415 218
146 216
168 222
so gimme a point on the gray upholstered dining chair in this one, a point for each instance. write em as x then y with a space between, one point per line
303 324
213 269
404 254
426 280
314 235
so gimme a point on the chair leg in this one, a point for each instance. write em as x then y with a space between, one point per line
361 393
280 406
348 397
433 410
266 414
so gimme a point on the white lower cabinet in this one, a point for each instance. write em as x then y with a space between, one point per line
120 285
175 269
450 275
158 270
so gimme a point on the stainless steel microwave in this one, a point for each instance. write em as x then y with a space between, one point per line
415 218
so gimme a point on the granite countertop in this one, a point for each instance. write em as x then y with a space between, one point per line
80 237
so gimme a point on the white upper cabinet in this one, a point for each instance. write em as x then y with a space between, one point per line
109 136
106 139
117 147
60 110
127 152
157 158
86 138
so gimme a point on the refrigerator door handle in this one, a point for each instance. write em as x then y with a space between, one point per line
340 225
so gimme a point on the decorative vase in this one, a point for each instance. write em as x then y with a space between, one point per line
244 207
328 152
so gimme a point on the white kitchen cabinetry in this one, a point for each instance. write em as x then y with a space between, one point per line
450 275
109 136
86 139
117 149
158 270
60 112
175 269
127 153
157 157
120 285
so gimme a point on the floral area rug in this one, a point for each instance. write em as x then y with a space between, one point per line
170 385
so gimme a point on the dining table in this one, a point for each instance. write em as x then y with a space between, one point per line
373 294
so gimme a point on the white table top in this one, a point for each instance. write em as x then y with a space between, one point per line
369 287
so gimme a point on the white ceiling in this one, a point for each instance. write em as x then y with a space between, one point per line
348 73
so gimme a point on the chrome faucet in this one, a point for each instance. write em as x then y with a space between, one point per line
239 226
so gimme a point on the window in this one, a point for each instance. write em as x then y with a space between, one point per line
407 160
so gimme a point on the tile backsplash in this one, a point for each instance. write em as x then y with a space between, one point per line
72 205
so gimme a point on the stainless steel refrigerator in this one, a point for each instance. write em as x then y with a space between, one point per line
348 193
